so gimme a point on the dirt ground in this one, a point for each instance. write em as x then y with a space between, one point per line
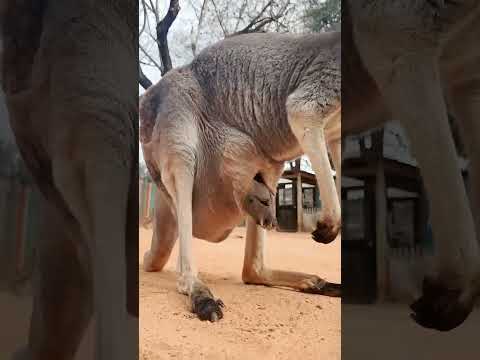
259 322
15 315
385 331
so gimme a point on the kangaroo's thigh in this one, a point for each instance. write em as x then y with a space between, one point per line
164 236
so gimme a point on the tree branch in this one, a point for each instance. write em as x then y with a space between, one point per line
162 31
259 15
219 19
143 79
144 19
155 11
240 15
194 7
199 28
145 52
258 23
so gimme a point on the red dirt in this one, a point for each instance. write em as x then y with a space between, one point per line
259 322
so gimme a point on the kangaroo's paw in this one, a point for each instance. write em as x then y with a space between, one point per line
439 307
204 305
325 232
322 287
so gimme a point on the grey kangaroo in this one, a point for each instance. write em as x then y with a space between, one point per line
215 136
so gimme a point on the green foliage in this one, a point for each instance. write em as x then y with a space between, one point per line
322 15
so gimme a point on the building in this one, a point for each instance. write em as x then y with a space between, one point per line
298 199
386 237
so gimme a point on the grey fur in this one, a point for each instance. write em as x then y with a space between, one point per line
233 100
244 82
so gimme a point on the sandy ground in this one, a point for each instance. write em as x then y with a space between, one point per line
385 331
259 322
15 312
15 315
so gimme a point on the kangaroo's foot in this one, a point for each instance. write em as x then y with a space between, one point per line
205 305
326 232
441 308
319 286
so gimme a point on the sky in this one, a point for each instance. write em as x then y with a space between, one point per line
184 19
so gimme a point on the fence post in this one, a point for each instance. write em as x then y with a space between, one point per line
33 223
380 231
140 198
20 229
147 201
153 190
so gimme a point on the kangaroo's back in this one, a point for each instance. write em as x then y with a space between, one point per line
252 72
246 80
243 83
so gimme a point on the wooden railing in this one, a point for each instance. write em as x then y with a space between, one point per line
20 221
146 195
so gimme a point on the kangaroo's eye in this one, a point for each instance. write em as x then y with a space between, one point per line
259 178
264 202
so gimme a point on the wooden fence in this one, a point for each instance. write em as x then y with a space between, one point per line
146 195
407 266
310 217
20 221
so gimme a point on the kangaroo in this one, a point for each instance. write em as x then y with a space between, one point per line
217 130
416 61
73 112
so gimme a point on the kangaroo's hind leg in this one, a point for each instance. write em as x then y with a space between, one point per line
466 107
63 301
255 271
164 236
176 156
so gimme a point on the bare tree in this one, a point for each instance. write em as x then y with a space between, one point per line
144 81
195 35
245 16
162 32
224 18
162 26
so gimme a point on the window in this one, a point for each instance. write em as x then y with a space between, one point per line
309 198
285 195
